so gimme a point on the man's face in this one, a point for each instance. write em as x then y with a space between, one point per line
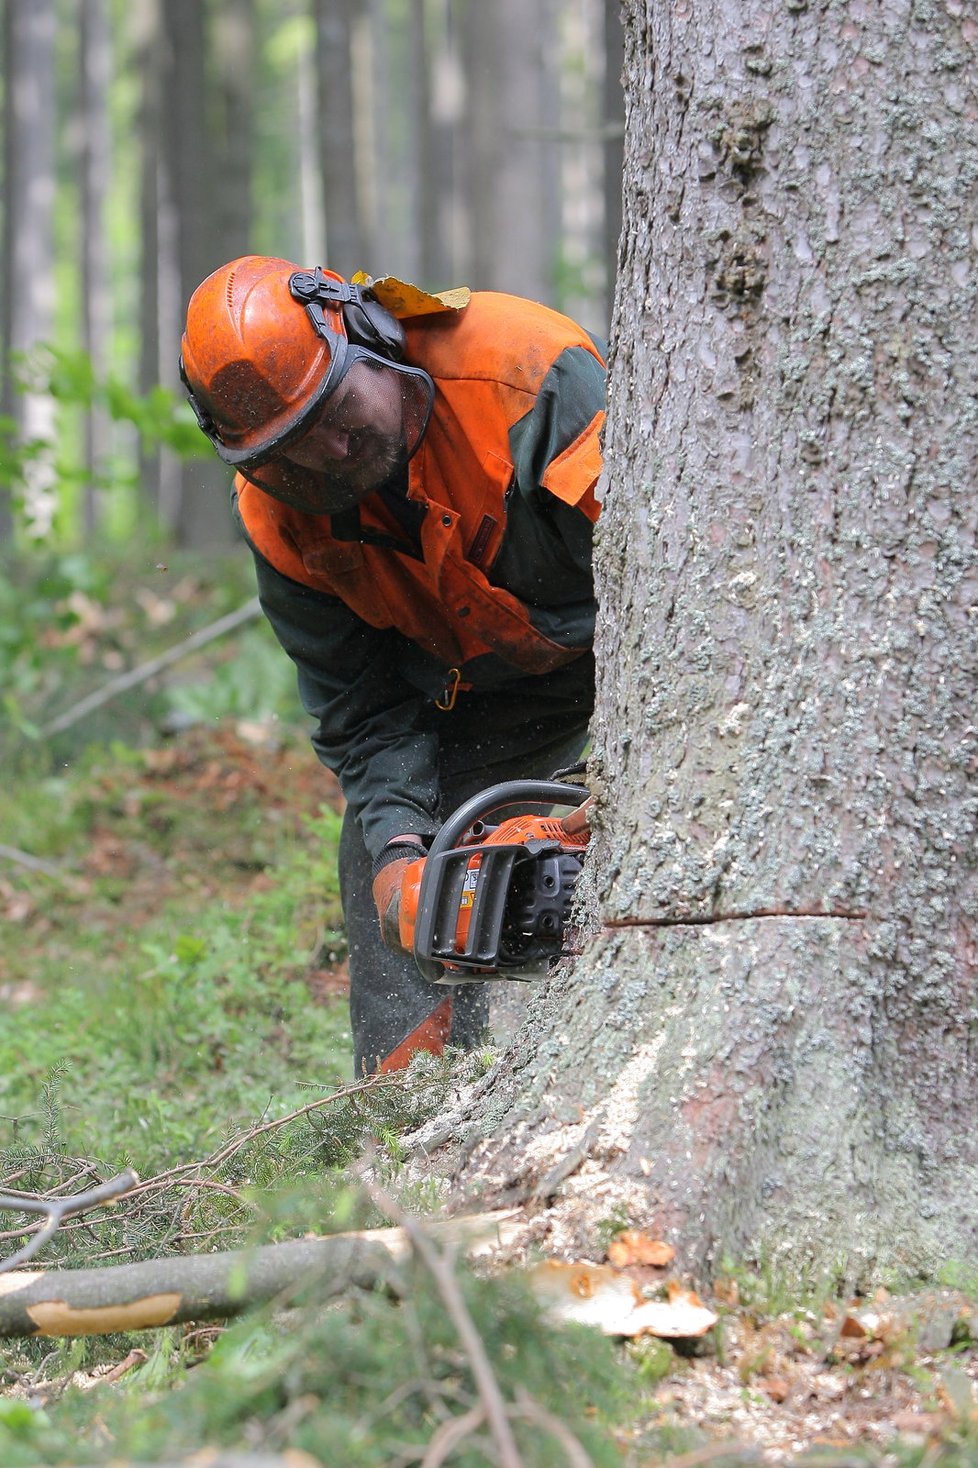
355 441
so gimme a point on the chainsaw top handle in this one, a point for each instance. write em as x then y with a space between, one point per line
497 797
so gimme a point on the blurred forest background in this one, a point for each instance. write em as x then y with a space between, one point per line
146 142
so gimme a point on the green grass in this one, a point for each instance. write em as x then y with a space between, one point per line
355 1384
169 1000
166 1034
170 1011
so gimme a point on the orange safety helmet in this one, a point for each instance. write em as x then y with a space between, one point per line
266 343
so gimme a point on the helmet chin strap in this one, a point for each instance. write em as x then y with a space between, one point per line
367 323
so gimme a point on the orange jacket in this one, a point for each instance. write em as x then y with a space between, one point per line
488 363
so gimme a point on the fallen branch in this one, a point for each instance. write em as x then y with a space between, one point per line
493 1403
55 1210
531 1411
450 1434
158 1292
124 681
170 1291
32 863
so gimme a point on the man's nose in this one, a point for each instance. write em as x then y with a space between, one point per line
334 442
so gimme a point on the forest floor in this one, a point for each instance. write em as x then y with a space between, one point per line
215 820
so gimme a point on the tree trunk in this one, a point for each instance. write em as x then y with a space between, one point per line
94 56
448 224
476 144
191 247
145 30
27 284
346 242
513 170
525 197
768 1044
613 118
234 57
425 231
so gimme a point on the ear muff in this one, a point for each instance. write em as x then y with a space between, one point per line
369 324
366 322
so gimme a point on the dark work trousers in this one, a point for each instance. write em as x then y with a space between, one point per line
527 730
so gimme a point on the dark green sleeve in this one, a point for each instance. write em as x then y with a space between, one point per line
546 556
367 713
572 392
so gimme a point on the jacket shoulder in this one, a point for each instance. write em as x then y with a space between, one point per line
497 337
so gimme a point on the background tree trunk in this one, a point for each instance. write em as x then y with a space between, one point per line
424 233
146 37
346 235
28 224
94 55
190 247
234 57
512 168
768 1044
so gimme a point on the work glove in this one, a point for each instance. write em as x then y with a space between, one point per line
388 875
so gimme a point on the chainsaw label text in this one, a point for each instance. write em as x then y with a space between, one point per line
469 885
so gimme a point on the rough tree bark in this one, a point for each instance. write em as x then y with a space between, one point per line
612 117
769 1043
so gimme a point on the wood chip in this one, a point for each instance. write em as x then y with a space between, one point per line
633 1247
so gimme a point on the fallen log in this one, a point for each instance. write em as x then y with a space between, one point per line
172 1291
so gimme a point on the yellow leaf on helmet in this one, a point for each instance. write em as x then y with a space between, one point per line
404 300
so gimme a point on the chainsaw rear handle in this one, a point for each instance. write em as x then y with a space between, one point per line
497 797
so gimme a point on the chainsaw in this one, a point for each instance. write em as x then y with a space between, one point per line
493 901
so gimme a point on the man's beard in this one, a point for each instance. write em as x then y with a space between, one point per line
374 459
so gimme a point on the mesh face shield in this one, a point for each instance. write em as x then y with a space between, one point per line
352 440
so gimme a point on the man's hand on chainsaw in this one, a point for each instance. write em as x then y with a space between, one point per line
390 868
